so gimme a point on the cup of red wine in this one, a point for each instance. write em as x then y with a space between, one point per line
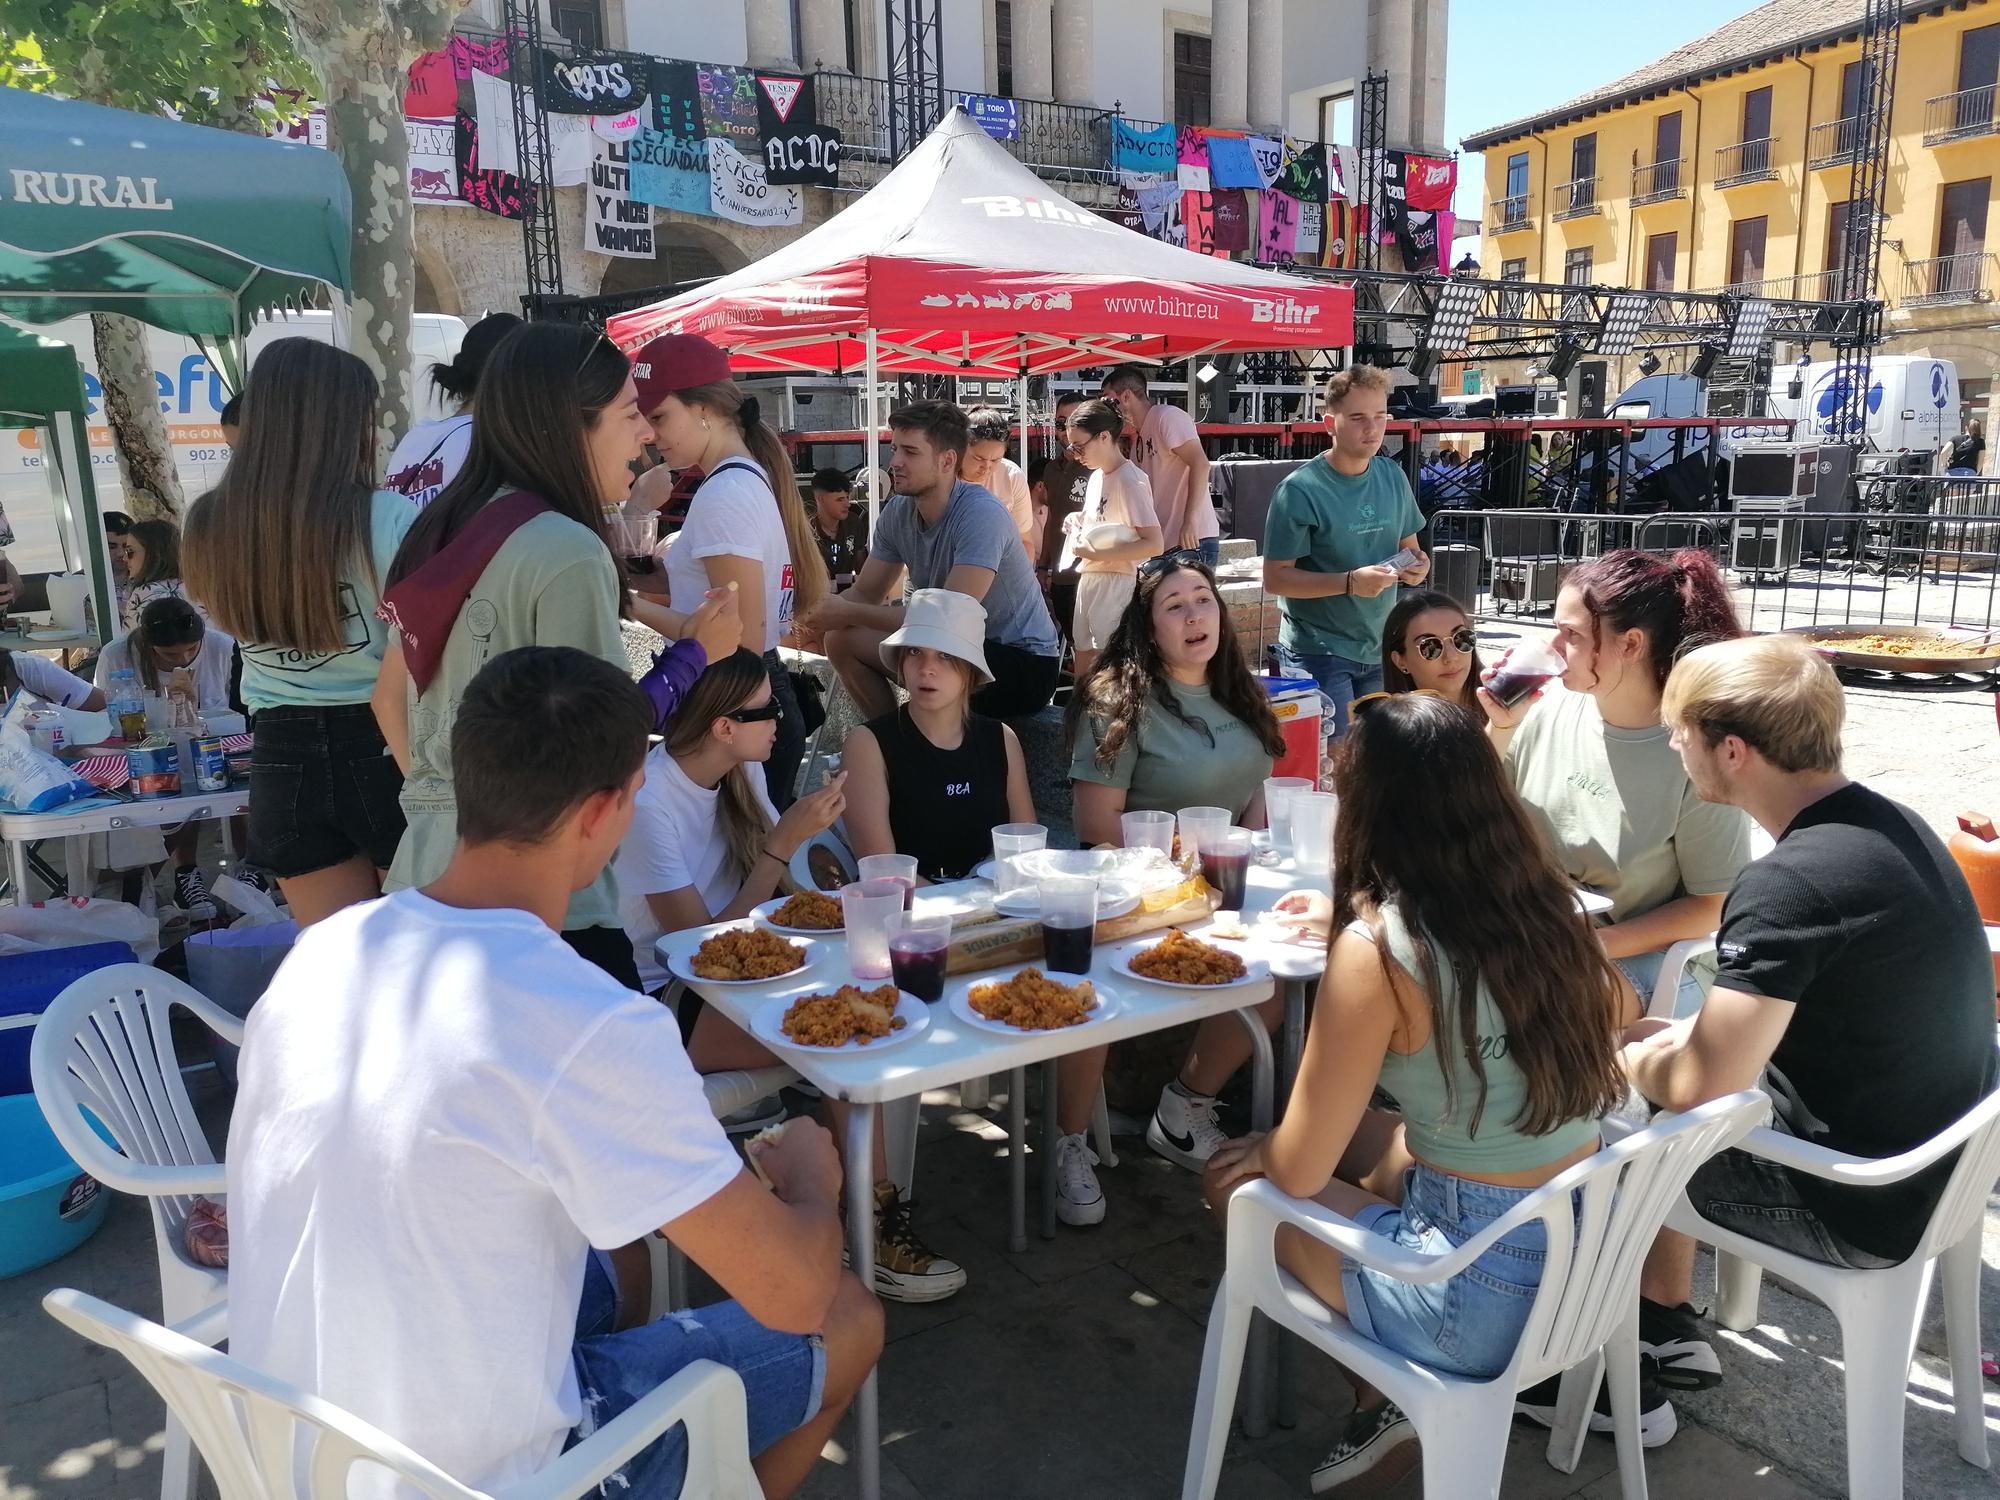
901 868
1526 668
1069 924
1225 864
918 950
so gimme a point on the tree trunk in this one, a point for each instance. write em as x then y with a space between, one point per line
132 407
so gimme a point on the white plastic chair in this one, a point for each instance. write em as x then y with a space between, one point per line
1673 967
1601 1216
1880 1311
261 1436
104 1049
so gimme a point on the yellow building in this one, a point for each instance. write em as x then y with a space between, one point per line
1728 163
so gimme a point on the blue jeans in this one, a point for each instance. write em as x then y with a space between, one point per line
1342 680
1469 1324
1643 969
784 1377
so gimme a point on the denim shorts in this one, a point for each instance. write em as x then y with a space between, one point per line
1759 1200
1643 969
1470 1324
1340 678
323 788
784 1377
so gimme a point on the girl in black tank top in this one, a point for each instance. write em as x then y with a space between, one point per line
944 804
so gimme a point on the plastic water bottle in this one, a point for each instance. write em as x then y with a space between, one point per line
126 705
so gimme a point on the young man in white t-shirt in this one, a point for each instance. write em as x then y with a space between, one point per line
444 1110
1167 445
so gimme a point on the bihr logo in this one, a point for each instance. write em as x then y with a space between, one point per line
806 299
1282 311
1047 210
87 190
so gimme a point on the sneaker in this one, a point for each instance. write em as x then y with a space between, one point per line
256 877
1657 1422
754 1117
906 1269
191 895
1378 1447
1674 1336
1079 1200
1183 1127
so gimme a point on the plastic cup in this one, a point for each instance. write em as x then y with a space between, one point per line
1278 793
918 949
866 907
1069 924
1009 840
635 536
1199 824
900 867
1312 831
1147 830
1526 668
1225 864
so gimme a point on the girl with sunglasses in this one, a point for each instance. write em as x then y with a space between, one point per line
1429 646
1106 558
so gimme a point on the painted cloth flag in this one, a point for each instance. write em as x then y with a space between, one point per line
1230 164
1343 171
493 109
738 190
1345 224
433 159
615 224
677 101
1198 214
1159 200
469 56
670 171
1134 150
1428 181
729 105
432 93
499 193
624 124
798 151
1312 233
1303 175
999 118
1277 228
1191 160
1267 156
1232 221
1416 232
570 138
592 83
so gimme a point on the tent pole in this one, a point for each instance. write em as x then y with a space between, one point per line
870 437
1021 386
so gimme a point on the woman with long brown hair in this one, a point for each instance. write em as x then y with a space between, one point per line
513 553
288 554
1429 645
747 527
1462 979
150 552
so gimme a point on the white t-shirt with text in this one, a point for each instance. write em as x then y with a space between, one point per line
429 458
734 514
441 1110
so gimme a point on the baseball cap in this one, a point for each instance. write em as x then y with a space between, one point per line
675 362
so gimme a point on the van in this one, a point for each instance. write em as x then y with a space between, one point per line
1912 402
191 399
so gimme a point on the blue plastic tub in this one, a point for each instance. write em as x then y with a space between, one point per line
28 982
47 1206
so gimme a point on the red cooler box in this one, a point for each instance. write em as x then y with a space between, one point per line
1296 702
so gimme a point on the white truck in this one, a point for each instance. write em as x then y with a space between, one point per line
191 399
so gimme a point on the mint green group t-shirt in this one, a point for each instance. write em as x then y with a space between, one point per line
552 583
277 676
1165 764
1331 522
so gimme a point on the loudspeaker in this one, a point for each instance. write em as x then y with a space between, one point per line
1455 571
1590 391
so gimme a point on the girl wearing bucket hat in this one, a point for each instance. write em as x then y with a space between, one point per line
932 779
747 527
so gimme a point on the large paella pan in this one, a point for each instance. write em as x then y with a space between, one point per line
1902 648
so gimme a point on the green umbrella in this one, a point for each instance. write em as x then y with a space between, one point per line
184 227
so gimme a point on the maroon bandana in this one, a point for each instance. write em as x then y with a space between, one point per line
425 605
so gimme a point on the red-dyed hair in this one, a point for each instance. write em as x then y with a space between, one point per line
1680 603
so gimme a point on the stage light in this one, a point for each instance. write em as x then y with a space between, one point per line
1567 355
1451 320
1622 320
1649 363
1748 324
1423 362
1705 361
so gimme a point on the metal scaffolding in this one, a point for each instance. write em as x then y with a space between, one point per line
541 244
1861 246
916 72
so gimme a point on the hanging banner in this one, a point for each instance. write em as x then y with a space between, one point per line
670 171
999 118
1304 174
676 99
493 109
739 191
1312 233
1230 164
1267 156
616 223
592 83
433 160
729 105
470 56
1155 150
499 193
798 151
1343 172
569 149
1416 232
1345 224
1191 160
432 92
1429 181
1198 214
1277 228
1230 210
624 125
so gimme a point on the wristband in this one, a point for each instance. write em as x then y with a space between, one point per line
1347 583
772 855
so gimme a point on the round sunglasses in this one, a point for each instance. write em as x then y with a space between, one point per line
1464 640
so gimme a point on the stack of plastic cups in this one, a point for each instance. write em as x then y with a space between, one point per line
1312 831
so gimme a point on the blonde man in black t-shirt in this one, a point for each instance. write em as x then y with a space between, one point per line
1857 907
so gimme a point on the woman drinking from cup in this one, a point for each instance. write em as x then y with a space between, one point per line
1594 764
933 779
1115 531
1429 646
1451 919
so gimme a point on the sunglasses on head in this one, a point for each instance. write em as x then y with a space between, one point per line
1180 557
771 710
1464 640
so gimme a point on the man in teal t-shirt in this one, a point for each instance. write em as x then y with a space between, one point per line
1332 530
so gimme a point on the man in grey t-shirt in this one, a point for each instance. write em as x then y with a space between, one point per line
946 534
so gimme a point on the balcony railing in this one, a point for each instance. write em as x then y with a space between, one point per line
1746 161
1658 181
1834 143
1509 215
1949 279
1814 286
1961 116
1574 199
1054 140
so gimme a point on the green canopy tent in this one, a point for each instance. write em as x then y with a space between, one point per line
41 390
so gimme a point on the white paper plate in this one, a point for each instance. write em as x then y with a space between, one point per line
52 635
959 998
1114 899
767 1024
764 916
677 952
1256 971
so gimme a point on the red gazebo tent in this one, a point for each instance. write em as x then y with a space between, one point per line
962 262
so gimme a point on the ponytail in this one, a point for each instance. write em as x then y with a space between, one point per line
1679 604
729 401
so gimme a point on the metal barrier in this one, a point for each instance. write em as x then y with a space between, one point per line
1870 567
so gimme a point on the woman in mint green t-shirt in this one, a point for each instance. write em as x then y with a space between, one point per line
288 554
